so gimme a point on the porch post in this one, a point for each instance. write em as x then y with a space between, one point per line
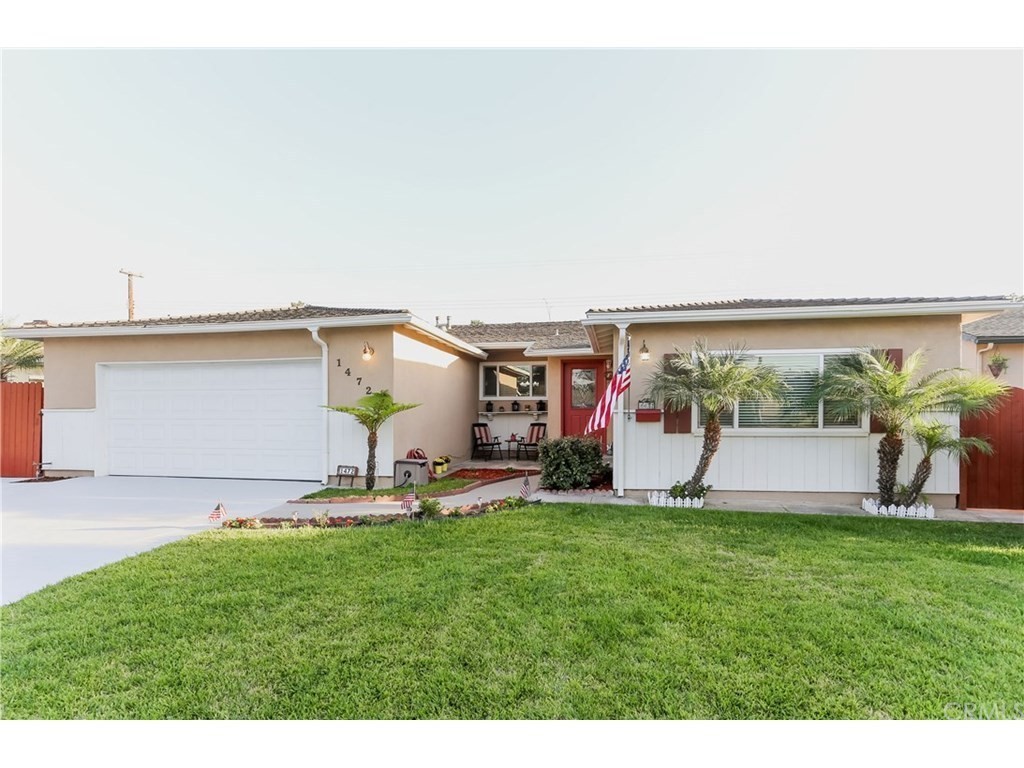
618 454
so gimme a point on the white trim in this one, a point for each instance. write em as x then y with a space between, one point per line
67 410
305 358
498 364
619 424
564 352
325 392
403 319
796 313
861 430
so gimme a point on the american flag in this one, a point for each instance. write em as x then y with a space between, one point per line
218 513
525 491
603 413
409 500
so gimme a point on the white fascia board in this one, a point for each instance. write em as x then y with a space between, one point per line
304 324
561 352
796 313
443 336
504 345
61 332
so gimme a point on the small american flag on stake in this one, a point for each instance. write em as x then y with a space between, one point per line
218 513
409 499
524 490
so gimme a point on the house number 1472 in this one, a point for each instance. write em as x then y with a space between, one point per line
359 379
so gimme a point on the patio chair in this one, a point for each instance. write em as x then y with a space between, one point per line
538 430
484 442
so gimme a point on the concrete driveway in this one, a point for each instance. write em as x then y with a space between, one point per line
59 529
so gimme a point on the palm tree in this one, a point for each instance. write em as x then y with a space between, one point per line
934 436
899 397
18 353
717 382
372 411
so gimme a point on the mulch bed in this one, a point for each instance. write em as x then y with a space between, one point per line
490 476
42 480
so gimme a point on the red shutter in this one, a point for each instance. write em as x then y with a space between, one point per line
677 422
896 357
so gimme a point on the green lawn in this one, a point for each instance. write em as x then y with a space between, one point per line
551 611
437 486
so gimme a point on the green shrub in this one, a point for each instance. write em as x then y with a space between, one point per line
570 462
689 490
429 508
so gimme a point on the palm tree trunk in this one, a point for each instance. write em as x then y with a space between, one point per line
371 460
712 439
890 449
921 475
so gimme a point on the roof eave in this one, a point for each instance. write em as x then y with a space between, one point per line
987 338
596 318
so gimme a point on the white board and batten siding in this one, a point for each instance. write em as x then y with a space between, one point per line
237 419
828 462
347 443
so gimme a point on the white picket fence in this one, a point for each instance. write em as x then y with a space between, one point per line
662 499
919 511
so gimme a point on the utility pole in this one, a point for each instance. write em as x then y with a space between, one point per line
131 292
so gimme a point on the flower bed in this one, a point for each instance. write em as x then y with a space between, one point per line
495 476
351 521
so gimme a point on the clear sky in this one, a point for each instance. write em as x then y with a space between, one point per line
505 185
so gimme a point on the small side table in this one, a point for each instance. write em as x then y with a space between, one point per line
509 444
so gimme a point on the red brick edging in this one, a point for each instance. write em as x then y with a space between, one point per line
438 495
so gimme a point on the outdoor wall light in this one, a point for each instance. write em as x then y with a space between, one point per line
367 350
645 353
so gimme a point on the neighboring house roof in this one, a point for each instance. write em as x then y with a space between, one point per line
1006 327
287 318
534 338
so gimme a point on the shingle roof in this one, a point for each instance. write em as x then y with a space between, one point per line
248 316
787 303
567 334
1004 326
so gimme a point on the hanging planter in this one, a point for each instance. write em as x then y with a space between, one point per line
997 364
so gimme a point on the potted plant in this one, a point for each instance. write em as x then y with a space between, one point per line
997 364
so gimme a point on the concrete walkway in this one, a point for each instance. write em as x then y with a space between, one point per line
485 493
59 529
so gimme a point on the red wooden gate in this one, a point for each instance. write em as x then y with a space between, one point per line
996 481
21 428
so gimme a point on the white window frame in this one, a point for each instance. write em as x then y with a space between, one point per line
531 396
861 430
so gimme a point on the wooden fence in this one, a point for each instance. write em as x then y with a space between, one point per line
996 481
21 428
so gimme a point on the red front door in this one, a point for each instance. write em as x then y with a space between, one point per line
582 386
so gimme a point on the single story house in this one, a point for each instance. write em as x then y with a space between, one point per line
240 395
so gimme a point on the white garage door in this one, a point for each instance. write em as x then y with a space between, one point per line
245 420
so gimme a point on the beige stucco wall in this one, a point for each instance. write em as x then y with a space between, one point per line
1014 375
345 353
445 385
70 365
938 335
